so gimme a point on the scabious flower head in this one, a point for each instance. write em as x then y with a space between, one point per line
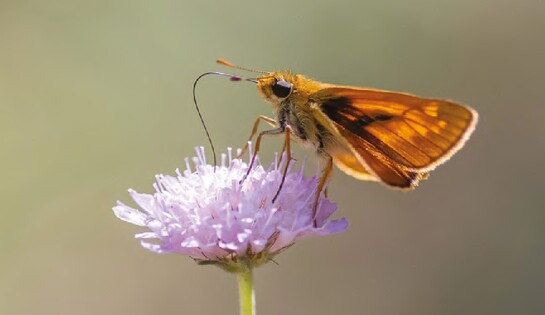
209 215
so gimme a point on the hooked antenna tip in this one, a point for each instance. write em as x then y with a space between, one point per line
224 62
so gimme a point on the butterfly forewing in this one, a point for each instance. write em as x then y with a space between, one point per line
414 133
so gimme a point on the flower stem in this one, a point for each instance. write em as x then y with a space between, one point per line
246 292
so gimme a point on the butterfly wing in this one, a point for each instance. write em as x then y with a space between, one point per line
375 165
393 137
404 131
349 163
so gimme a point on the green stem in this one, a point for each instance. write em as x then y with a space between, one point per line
246 292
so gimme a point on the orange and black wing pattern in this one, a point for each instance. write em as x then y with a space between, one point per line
400 137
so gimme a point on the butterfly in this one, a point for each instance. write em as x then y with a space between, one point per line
389 137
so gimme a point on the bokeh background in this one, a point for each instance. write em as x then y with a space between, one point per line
95 98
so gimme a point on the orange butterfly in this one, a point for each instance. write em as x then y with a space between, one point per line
390 137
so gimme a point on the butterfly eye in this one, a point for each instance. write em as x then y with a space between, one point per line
282 89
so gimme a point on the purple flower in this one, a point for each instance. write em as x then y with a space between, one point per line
208 215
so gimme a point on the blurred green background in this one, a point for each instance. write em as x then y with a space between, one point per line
95 98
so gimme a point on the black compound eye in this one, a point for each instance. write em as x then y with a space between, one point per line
282 89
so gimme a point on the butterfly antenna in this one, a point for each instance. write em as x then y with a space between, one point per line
233 78
232 65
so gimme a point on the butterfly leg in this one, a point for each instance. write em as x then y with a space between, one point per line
326 173
286 148
259 119
276 131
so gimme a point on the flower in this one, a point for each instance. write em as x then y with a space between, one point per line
212 216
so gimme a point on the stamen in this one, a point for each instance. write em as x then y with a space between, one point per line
187 165
201 155
196 162
157 184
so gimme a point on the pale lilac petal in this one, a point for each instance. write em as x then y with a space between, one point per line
145 235
129 214
152 247
335 226
145 201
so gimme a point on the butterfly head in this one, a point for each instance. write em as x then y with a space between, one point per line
276 87
279 87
